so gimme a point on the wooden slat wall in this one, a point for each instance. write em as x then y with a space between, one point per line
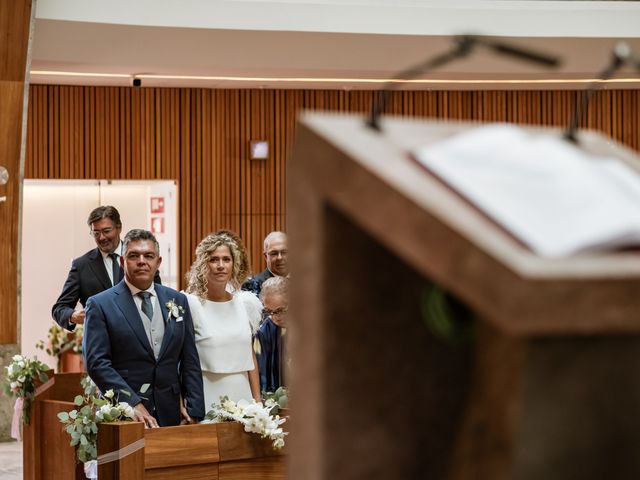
200 138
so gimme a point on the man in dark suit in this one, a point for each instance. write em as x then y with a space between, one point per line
89 273
275 254
93 272
139 341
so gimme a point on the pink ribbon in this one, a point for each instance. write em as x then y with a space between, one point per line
19 406
17 418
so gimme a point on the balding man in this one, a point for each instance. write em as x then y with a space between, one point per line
275 253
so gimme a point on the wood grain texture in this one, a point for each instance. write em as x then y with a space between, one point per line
190 472
183 445
15 22
116 436
58 458
46 446
235 445
189 452
269 468
201 137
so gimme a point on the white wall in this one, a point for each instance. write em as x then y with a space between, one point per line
55 231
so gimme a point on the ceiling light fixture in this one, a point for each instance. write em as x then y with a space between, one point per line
424 81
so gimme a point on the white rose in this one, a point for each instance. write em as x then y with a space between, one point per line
128 411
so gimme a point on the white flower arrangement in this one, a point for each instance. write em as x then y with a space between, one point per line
255 416
174 309
20 380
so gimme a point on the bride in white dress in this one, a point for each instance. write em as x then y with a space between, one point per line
224 318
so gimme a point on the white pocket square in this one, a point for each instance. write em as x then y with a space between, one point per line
179 319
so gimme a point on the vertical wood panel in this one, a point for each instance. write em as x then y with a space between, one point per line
15 24
200 138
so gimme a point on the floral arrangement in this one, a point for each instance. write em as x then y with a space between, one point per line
174 309
280 397
255 416
19 381
82 423
60 340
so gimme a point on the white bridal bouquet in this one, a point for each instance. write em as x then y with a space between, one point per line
255 416
20 379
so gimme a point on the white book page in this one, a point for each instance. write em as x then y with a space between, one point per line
548 193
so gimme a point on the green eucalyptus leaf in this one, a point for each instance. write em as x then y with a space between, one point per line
63 416
79 400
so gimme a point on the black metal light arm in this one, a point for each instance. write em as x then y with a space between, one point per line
463 45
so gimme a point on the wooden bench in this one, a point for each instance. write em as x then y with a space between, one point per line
206 451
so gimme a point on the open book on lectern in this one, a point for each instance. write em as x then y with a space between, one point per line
548 193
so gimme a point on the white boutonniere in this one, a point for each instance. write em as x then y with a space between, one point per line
174 310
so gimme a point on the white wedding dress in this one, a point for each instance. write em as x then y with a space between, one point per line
223 333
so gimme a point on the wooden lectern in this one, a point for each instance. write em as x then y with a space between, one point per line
46 450
549 388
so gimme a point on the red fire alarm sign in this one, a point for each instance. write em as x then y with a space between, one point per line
157 204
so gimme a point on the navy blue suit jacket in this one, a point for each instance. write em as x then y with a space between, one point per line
270 359
254 284
118 355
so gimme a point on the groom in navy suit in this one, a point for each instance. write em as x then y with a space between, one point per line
139 341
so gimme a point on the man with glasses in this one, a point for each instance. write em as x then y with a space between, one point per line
270 342
93 272
275 253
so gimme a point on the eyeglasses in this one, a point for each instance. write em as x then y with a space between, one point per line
275 253
271 313
104 231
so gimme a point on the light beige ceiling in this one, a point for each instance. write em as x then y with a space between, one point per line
268 58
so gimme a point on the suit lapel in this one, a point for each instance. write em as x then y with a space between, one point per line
124 301
99 270
168 325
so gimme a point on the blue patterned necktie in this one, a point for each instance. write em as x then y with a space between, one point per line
147 308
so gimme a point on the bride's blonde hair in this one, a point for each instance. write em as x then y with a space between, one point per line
197 275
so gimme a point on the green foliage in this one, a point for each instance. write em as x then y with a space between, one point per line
60 340
20 378
82 423
280 397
